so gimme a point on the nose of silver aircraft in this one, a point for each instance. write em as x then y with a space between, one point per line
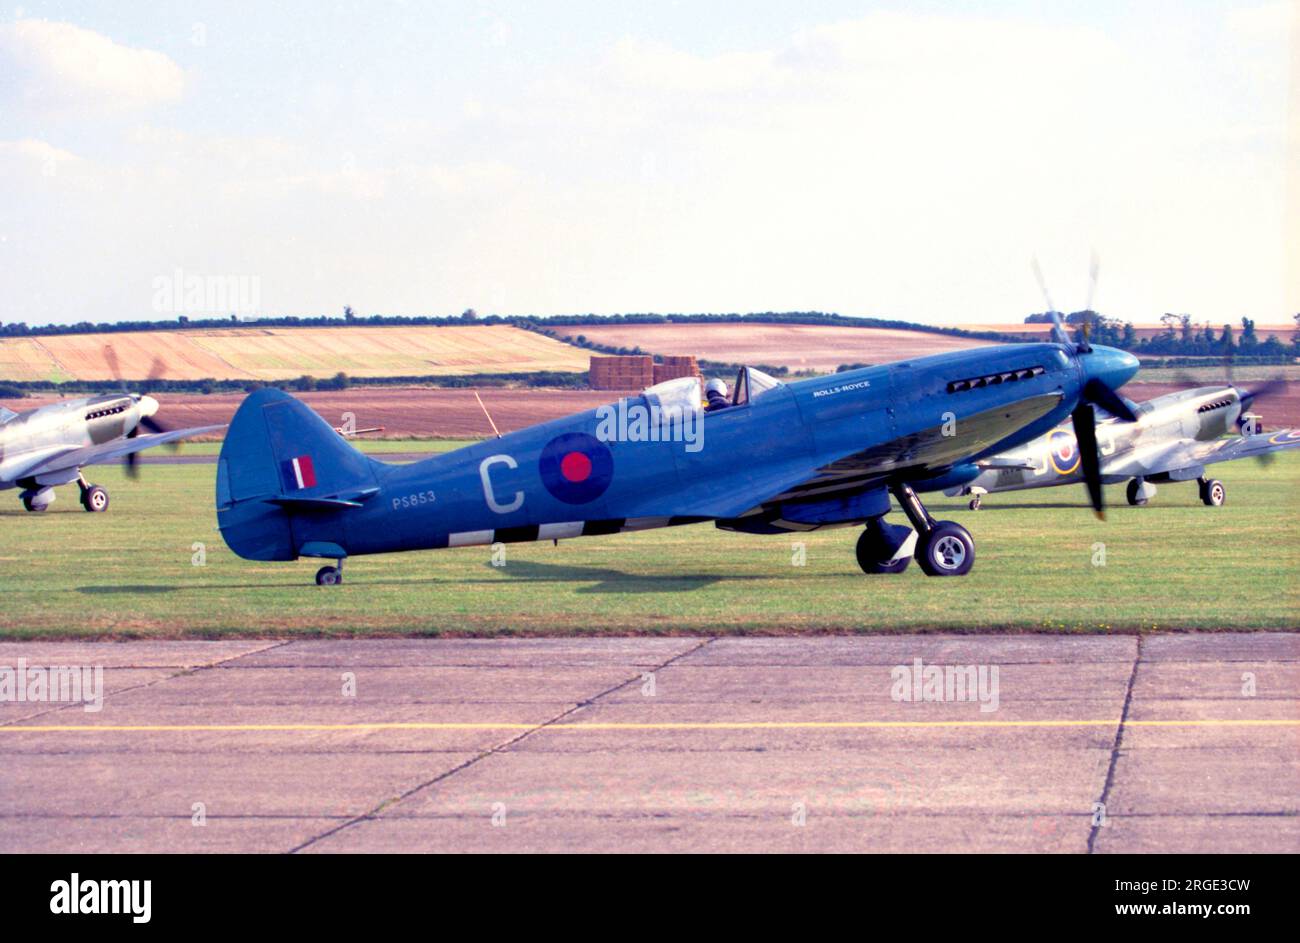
148 405
1109 366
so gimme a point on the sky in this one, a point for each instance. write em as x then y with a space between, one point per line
897 160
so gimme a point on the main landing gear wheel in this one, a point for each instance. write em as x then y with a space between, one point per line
94 499
329 576
974 503
947 550
1134 494
943 548
875 554
1213 493
30 505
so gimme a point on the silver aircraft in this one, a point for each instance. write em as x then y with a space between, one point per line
48 446
1174 439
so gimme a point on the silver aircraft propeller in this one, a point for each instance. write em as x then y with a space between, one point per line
1094 392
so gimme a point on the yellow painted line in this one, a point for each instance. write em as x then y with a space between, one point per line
665 726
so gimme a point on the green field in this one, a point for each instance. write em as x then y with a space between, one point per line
1173 565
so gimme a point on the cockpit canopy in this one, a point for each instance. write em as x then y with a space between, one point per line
681 393
752 383
687 393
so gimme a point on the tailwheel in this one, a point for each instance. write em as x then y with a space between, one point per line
885 548
1213 493
974 503
329 576
94 499
947 550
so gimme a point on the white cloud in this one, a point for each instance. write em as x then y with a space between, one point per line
58 65
895 165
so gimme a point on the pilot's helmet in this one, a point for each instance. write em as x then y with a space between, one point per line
716 386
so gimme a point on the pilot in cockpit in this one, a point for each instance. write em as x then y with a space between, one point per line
715 391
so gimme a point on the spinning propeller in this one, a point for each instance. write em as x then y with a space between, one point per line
147 405
1103 369
1247 397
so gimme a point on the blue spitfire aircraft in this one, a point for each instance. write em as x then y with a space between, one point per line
822 452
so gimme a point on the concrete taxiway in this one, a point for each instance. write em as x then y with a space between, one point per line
1102 744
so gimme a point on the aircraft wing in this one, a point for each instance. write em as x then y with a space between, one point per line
1188 454
928 452
1226 450
108 451
919 455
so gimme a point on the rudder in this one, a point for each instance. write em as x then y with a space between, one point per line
277 450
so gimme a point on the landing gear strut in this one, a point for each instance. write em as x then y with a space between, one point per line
943 548
93 498
1212 492
330 575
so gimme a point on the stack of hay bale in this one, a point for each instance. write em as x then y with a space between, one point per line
621 373
674 367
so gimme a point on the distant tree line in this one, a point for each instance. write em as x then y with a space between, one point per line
1181 337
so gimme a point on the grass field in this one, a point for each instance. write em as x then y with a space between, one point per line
1173 565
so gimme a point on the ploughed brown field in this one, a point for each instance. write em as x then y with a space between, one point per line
404 412
797 346
442 413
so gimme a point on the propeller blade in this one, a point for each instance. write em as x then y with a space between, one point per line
1267 388
1059 335
132 465
1094 267
1094 391
153 425
114 365
1085 436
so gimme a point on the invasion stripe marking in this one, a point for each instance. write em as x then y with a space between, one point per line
515 535
645 523
469 538
662 726
557 531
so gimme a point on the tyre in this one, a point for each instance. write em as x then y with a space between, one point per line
974 504
947 550
1213 493
328 576
95 499
1134 494
875 553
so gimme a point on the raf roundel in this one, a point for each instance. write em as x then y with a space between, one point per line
576 468
1064 452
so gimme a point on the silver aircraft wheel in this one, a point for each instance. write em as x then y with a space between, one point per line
949 552
1213 493
96 499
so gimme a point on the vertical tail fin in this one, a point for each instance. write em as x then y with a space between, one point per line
278 449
